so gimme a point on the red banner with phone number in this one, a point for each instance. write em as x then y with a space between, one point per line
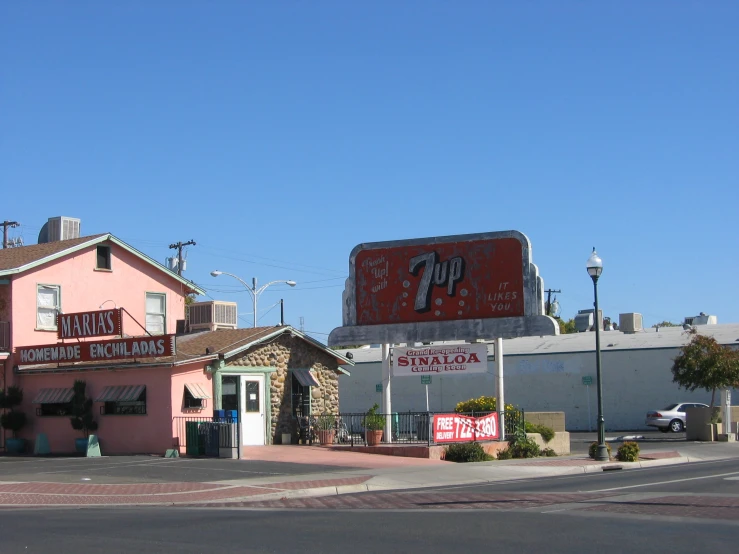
459 428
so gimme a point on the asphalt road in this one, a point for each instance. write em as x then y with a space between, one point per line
206 531
509 524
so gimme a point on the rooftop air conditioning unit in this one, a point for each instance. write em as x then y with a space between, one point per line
630 323
212 315
702 319
63 228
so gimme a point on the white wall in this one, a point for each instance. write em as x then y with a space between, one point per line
634 382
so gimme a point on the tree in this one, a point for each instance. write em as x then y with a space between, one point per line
705 364
665 324
567 327
82 418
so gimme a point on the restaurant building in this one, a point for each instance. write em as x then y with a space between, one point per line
96 309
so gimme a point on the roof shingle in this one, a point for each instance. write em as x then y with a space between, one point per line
14 258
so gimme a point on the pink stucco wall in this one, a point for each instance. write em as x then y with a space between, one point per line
152 433
84 288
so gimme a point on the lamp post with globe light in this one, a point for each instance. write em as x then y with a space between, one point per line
253 290
595 268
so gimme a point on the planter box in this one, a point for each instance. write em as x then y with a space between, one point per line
560 443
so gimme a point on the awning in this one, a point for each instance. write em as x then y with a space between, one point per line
305 378
53 396
126 393
197 390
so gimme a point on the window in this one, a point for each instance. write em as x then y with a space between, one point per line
57 409
229 392
195 395
123 400
103 257
156 304
300 398
48 306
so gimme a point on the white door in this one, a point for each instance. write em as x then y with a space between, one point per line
252 410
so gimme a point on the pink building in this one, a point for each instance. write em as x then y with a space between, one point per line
142 403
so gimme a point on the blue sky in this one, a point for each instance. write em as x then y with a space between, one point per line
279 135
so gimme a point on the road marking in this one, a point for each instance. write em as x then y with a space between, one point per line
667 482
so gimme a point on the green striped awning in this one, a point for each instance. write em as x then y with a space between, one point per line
122 393
197 390
53 396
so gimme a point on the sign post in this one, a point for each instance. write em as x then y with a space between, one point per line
426 380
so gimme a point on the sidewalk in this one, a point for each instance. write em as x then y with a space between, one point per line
343 473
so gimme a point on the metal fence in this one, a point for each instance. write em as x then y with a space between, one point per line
205 436
411 427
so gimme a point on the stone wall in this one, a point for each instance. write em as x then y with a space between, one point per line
287 353
554 420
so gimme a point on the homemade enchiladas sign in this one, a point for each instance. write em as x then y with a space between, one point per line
102 351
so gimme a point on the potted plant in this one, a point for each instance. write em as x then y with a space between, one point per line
82 417
13 420
326 424
373 424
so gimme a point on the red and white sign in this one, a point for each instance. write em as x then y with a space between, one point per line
89 324
97 351
440 281
459 428
461 359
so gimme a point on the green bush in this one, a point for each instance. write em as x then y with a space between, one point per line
482 404
505 454
523 447
466 452
547 433
548 452
593 450
628 452
372 420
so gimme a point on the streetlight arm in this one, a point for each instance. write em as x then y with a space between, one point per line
239 279
260 290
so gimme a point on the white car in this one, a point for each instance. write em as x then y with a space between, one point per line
672 417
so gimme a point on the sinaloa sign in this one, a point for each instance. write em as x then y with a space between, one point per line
458 287
462 359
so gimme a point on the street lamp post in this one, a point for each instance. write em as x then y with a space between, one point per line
253 290
595 268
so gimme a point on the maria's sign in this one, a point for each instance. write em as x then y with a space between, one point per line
458 428
462 359
89 324
97 351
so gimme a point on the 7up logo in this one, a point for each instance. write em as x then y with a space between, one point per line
444 274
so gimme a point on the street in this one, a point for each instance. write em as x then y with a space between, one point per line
678 508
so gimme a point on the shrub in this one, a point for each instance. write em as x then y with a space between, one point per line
83 418
523 447
372 420
482 404
466 452
547 433
505 454
548 452
13 420
326 422
593 450
628 452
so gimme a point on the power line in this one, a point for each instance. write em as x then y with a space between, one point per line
179 246
7 225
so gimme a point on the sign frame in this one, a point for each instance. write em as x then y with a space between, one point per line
443 359
354 330
96 323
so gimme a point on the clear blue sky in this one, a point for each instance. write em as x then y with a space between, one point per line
279 135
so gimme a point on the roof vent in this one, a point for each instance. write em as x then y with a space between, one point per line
212 315
630 323
701 319
59 228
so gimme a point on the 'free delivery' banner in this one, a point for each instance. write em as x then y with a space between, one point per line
459 428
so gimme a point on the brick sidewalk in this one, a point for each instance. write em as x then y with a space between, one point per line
60 494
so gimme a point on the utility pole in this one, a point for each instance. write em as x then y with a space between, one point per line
6 225
179 246
549 299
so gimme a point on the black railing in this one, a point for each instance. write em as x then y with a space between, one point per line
204 436
411 427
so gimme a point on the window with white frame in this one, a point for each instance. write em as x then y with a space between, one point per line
48 305
156 309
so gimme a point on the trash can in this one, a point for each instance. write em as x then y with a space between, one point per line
232 416
192 439
219 415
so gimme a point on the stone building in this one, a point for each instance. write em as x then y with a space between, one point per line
271 376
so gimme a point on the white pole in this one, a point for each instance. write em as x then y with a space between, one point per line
386 403
427 398
726 417
500 400
254 298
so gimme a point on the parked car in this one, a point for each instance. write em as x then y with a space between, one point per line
672 417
